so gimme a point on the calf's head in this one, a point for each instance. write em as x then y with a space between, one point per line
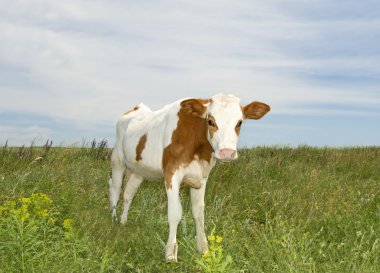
224 116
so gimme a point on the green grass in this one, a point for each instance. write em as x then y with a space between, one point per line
278 210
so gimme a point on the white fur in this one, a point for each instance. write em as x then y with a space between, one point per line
159 127
198 170
227 112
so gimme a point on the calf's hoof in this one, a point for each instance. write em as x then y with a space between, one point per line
171 253
123 219
113 215
202 245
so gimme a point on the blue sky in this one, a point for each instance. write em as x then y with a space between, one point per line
68 69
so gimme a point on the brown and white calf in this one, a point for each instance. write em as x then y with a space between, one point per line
179 143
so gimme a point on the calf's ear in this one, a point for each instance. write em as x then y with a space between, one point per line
195 107
255 110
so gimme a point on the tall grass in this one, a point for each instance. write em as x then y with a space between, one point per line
278 210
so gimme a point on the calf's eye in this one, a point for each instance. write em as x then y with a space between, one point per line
211 123
239 124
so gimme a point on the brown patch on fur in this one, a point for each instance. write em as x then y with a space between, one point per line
195 107
255 110
212 128
189 139
140 147
133 109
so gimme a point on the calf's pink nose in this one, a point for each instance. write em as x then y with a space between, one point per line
227 153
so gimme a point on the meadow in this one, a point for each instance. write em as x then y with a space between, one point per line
275 209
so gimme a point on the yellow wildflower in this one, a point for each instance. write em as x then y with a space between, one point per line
52 220
68 228
206 255
68 224
41 198
9 204
22 212
218 239
25 200
211 238
44 213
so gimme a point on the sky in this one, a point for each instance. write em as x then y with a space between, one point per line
69 69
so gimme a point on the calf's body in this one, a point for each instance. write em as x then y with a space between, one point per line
179 143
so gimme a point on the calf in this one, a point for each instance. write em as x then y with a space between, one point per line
179 143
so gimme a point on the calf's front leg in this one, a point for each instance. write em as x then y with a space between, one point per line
198 206
174 216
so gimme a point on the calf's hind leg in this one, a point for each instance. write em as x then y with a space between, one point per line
115 182
133 183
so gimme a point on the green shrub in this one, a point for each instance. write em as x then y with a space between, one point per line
34 238
215 260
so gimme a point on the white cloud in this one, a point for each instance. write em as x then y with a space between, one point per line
24 135
89 61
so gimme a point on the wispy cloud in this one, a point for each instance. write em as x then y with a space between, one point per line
16 135
85 62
